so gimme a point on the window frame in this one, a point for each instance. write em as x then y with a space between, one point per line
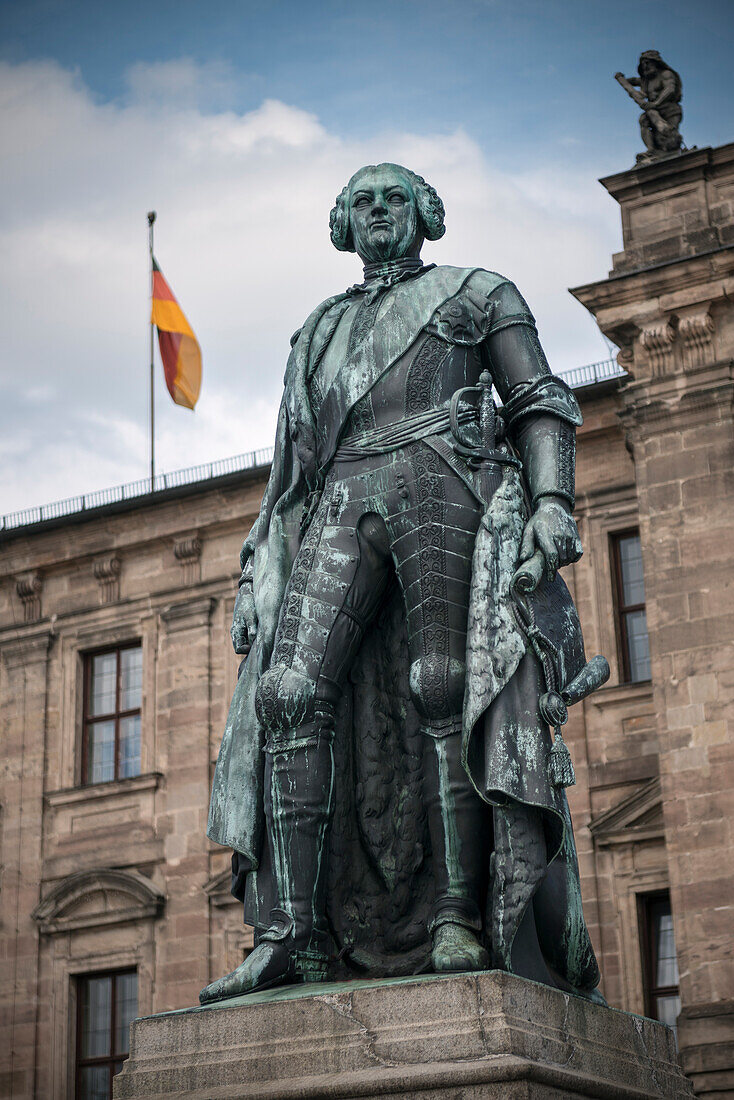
111 1059
88 720
622 610
646 903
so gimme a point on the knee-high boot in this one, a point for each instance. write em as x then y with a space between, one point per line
459 825
300 782
299 779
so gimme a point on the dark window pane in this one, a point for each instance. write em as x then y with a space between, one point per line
131 678
638 646
630 561
666 963
103 687
94 1083
129 746
101 752
96 1017
126 1009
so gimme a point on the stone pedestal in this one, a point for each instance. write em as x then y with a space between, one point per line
465 1035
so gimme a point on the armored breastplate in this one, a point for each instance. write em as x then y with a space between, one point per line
408 351
445 357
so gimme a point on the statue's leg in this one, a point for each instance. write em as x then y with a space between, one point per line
519 864
433 559
459 827
647 133
336 587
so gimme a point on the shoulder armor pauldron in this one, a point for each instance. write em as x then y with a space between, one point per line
464 319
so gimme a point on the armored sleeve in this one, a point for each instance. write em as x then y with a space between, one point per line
540 410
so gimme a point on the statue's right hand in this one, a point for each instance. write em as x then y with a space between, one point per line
244 621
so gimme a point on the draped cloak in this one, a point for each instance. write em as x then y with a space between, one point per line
380 883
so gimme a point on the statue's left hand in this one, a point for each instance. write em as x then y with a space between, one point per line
552 530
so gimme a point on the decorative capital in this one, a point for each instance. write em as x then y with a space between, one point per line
187 551
107 574
658 339
696 329
28 587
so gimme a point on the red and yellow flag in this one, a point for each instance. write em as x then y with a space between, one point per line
180 349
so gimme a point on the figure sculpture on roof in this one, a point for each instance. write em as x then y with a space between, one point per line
388 778
659 96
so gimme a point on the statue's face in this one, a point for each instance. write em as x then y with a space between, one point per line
383 215
647 69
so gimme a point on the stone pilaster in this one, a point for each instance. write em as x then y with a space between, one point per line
669 304
184 717
23 682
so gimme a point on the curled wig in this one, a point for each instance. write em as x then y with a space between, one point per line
431 211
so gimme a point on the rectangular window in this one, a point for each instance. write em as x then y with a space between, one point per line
113 682
660 964
629 585
106 1005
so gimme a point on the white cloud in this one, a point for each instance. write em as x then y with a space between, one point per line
242 235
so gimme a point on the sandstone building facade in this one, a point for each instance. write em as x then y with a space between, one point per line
116 672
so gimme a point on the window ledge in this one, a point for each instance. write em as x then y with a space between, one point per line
71 795
610 694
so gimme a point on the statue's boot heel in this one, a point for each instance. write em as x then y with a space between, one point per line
457 821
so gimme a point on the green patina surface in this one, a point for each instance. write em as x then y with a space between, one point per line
506 742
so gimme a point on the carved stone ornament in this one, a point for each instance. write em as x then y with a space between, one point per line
658 339
28 587
107 574
696 330
187 551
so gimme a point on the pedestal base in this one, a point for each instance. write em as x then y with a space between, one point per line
461 1036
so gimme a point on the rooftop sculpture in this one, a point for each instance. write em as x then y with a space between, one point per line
659 95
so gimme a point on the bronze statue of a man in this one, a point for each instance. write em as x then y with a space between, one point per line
387 777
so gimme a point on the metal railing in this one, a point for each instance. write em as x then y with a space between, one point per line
592 373
132 489
576 378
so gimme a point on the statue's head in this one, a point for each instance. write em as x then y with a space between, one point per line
385 213
650 62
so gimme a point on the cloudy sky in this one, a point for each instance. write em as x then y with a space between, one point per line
239 122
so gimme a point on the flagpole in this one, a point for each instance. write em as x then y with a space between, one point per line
151 221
